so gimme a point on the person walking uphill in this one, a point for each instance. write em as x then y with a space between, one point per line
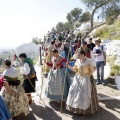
29 74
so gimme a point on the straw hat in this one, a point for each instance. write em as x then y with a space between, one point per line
98 40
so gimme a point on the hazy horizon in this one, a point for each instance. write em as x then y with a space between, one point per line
21 20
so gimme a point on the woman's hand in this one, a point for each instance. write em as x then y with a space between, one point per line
67 64
76 52
7 87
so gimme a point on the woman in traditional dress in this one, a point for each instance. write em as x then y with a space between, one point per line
12 92
82 97
48 56
56 78
58 45
4 113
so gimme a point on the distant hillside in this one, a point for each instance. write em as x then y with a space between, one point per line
111 32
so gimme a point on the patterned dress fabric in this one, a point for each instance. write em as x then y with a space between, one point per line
56 78
16 100
82 97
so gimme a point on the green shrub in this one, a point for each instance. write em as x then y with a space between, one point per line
111 60
102 32
109 31
115 70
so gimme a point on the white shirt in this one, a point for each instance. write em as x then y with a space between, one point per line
75 56
101 57
11 72
25 70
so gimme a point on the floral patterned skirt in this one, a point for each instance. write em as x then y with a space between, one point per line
16 100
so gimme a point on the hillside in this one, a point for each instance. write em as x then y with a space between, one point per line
111 32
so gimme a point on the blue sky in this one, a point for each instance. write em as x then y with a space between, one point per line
21 20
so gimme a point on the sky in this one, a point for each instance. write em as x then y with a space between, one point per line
21 20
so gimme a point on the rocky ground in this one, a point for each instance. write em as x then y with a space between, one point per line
109 108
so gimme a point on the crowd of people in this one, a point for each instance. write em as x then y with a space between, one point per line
63 52
68 46
62 49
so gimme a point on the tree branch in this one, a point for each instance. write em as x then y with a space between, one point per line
97 26
97 7
107 21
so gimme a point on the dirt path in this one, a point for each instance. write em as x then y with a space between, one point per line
109 110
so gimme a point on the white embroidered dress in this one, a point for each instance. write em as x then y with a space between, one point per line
80 91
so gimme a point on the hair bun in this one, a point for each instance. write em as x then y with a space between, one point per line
7 62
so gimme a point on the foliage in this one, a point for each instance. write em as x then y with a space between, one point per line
68 25
111 60
53 30
108 10
115 70
76 25
60 26
109 31
85 17
37 40
74 19
102 32
64 26
76 15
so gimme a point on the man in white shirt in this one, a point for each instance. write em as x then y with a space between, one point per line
100 58
29 74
